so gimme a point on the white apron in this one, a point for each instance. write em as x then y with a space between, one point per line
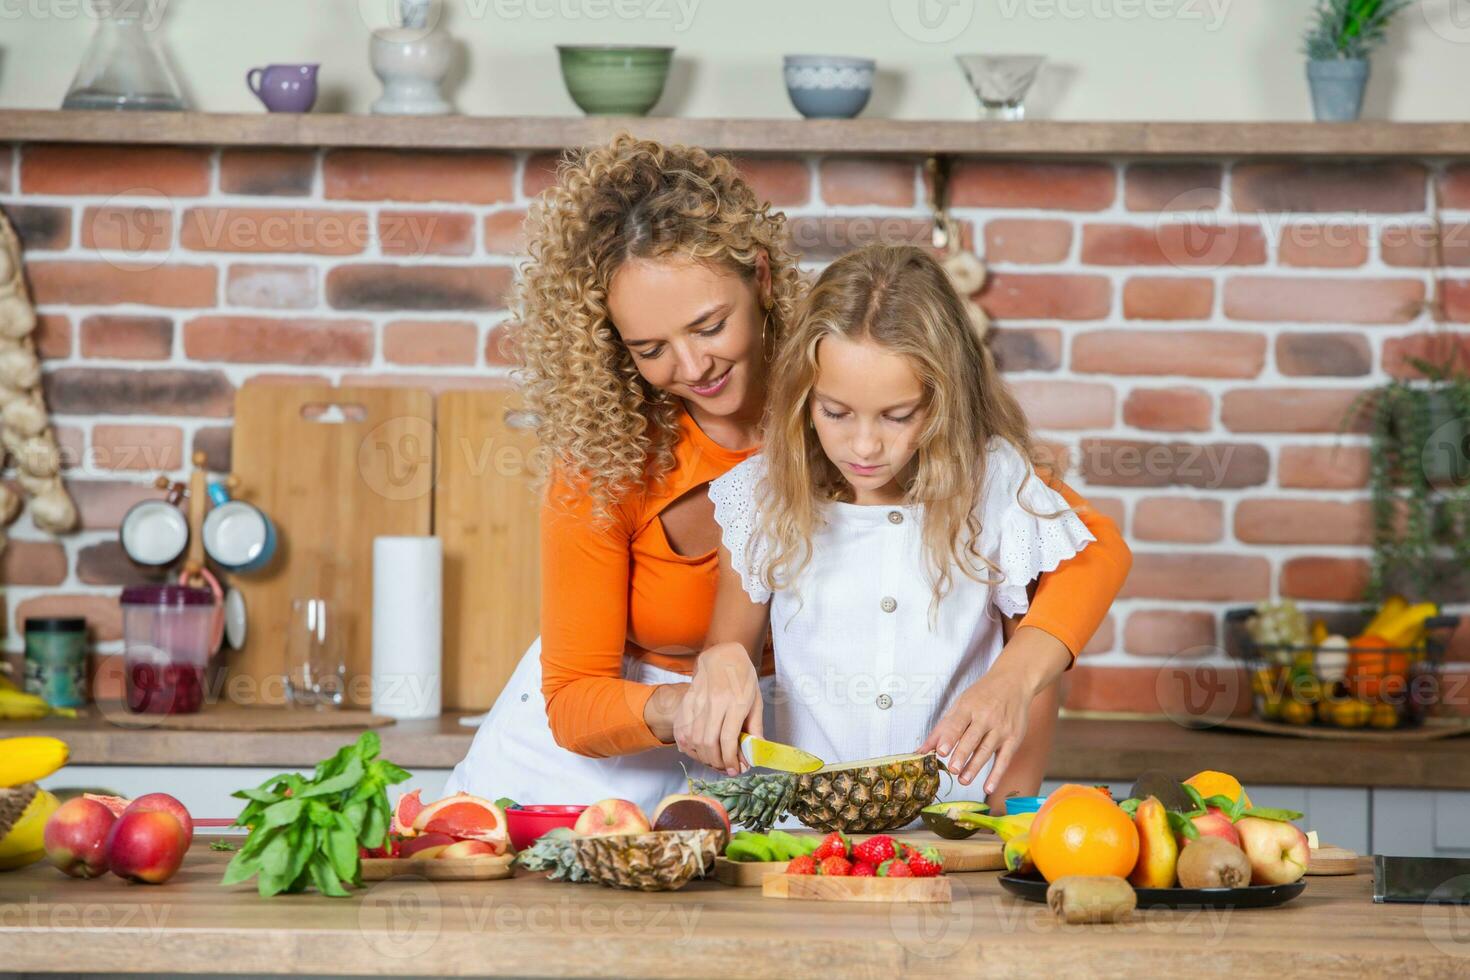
515 755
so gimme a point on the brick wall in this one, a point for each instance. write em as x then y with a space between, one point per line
1188 336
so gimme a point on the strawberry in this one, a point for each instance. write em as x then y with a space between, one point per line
874 850
863 870
833 845
895 869
803 865
925 863
836 866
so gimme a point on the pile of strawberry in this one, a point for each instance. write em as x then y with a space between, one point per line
880 857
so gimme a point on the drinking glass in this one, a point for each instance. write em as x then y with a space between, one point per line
316 669
1001 81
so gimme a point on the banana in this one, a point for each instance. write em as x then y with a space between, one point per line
20 706
1017 854
29 758
1011 825
22 836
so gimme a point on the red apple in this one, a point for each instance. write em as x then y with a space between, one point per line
608 818
1278 850
1213 823
425 845
470 849
167 804
76 837
686 812
146 845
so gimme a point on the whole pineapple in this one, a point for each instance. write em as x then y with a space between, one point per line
870 796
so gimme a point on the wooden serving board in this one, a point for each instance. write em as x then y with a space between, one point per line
1330 859
440 869
487 513
983 852
333 468
819 889
746 874
226 717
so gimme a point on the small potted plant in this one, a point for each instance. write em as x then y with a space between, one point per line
1337 44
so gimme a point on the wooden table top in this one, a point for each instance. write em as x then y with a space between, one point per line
1086 749
530 926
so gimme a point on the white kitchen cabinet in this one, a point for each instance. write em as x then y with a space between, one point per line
205 790
1421 823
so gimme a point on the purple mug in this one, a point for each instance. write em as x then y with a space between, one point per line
284 88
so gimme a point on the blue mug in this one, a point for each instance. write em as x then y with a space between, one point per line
238 536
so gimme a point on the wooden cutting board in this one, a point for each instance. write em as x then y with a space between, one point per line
225 717
820 889
1329 859
487 512
440 869
983 852
333 468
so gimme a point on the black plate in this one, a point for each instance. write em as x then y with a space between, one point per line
1033 889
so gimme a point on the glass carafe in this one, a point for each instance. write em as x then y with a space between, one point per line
123 67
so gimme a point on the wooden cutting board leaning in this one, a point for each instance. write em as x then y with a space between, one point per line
487 513
333 468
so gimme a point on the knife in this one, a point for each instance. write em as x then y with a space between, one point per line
764 754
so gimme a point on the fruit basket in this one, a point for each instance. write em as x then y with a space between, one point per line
1344 670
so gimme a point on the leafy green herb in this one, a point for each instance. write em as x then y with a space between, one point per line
307 831
1270 813
221 845
1181 824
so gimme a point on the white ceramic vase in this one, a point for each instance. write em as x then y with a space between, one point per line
411 61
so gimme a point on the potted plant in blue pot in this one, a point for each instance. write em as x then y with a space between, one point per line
1337 45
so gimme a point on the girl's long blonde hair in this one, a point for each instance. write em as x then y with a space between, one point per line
598 422
899 298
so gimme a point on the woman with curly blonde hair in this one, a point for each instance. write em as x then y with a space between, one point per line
657 288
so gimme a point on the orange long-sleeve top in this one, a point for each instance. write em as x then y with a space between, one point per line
615 587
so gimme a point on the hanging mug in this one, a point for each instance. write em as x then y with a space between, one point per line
238 536
154 532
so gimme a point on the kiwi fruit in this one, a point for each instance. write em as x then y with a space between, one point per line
1213 863
940 818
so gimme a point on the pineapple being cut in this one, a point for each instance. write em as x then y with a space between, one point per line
869 796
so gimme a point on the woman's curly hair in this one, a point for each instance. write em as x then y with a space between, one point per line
599 423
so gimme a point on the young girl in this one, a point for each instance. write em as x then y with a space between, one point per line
890 525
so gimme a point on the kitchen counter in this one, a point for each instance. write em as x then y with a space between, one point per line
529 926
1086 749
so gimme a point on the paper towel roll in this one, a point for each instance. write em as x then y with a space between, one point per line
408 626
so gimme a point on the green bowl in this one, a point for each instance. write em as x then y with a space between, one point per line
614 79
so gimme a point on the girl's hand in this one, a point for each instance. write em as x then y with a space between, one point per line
988 719
724 698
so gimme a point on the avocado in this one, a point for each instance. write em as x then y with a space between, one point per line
1170 791
939 817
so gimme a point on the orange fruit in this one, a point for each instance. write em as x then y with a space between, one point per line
1079 831
1212 782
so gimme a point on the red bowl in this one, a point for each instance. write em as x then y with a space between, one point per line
528 823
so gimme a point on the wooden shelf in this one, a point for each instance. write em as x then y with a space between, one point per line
870 136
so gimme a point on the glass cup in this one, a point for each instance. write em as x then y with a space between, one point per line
1001 81
316 669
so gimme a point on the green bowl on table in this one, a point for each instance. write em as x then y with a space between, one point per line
614 79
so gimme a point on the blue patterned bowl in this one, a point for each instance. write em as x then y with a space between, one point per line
828 86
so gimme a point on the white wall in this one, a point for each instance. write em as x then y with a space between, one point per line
1111 59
